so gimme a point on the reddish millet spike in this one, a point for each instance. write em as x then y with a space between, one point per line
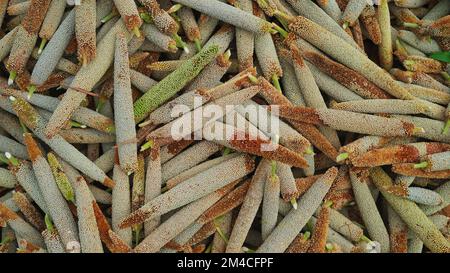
35 15
160 17
300 244
245 143
398 154
410 170
7 214
346 76
226 204
273 96
32 147
29 210
319 237
108 237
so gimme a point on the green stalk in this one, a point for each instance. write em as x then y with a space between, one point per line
253 79
280 30
446 127
6 240
329 247
294 203
147 145
445 75
226 151
276 82
24 127
48 223
137 233
61 179
100 103
209 248
77 124
283 21
365 239
410 25
220 232
12 160
109 16
309 151
345 25
198 45
174 8
4 159
31 90
306 235
342 157
42 45
180 43
421 165
147 18
12 77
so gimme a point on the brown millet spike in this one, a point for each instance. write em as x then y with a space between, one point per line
346 76
35 15
403 153
207 230
299 245
358 35
307 114
226 204
397 154
33 149
132 21
310 132
281 153
142 66
178 146
420 64
167 24
408 169
372 26
138 216
71 47
7 214
108 237
340 198
29 210
399 241
27 247
440 27
199 248
304 183
319 236
295 54
137 58
437 147
53 81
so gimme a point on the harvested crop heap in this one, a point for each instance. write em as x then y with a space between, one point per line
358 92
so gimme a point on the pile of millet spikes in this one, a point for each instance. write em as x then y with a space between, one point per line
359 90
